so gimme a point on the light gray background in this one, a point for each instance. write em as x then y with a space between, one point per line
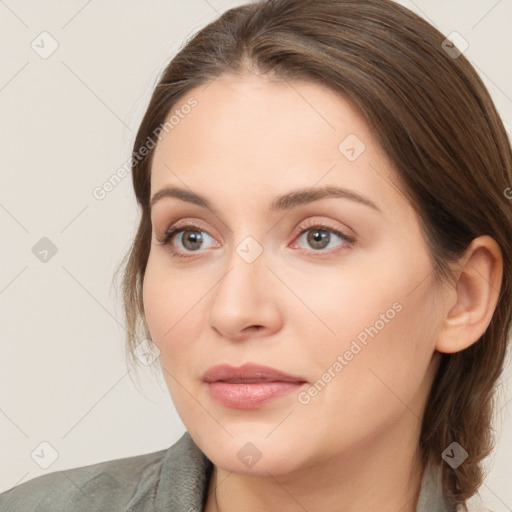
67 124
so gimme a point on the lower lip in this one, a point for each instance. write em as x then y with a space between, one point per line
250 395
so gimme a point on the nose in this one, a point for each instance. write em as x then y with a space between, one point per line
245 301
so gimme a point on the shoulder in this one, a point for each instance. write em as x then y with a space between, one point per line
109 485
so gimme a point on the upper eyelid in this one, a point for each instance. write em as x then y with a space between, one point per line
187 225
197 221
303 226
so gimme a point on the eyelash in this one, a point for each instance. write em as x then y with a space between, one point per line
173 230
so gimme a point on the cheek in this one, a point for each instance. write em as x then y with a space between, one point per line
174 310
379 317
380 356
335 308
166 306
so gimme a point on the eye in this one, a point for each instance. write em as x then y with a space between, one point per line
191 238
319 236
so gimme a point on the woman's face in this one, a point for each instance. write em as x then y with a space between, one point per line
259 277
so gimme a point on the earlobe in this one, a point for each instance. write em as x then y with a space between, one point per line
477 292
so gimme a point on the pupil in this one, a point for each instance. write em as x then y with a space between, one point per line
317 237
194 237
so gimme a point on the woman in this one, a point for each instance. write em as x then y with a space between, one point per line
323 264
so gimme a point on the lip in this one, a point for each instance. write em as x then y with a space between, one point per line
249 386
249 372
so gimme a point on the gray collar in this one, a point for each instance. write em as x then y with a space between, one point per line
184 479
431 498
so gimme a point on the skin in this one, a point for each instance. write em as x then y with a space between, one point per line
298 305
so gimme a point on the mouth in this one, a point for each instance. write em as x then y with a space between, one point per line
250 386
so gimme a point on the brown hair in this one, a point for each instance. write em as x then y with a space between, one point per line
433 117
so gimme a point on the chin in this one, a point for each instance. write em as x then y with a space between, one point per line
250 454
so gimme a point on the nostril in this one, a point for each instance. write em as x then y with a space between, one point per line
255 327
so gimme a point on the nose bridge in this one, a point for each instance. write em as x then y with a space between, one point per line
245 269
242 297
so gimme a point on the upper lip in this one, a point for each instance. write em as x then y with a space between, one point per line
249 372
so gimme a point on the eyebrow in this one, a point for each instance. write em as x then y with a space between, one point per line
280 203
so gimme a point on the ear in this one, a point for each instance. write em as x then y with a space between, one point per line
480 273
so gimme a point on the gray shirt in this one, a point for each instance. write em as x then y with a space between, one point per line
171 480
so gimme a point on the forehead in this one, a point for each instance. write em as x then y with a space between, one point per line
253 110
257 135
